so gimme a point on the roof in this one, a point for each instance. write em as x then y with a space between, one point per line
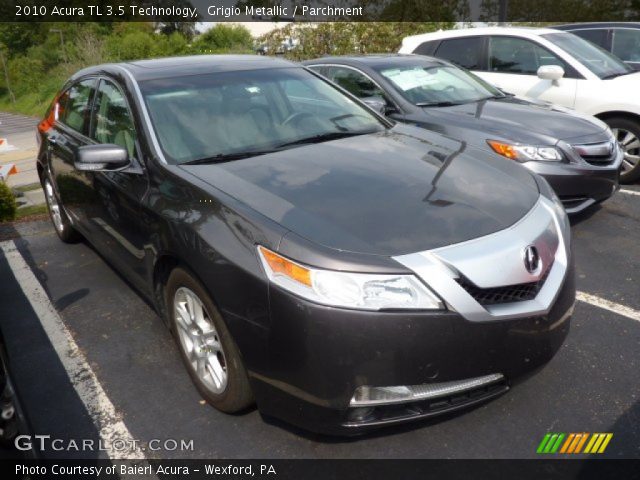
588 25
376 60
467 32
191 65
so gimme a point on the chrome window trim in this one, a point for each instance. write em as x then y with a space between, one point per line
495 260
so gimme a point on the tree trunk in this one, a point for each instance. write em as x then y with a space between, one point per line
6 77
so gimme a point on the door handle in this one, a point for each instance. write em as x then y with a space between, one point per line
53 139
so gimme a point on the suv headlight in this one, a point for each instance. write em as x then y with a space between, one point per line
362 291
525 153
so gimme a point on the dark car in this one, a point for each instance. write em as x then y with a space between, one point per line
342 271
577 154
620 38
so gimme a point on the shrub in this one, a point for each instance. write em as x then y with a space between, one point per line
8 205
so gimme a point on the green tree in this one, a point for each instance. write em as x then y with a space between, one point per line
224 38
345 38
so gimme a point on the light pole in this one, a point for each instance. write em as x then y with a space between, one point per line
64 53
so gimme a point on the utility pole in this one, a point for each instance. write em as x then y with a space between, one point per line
6 74
64 52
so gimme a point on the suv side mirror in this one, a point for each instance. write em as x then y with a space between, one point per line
103 157
551 72
378 104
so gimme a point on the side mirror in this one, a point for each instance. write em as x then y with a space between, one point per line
378 104
551 72
103 157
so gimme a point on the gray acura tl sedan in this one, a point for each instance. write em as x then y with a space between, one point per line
341 271
577 154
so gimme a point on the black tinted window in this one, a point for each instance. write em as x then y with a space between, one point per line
626 44
465 52
113 122
355 82
426 48
518 55
74 107
597 36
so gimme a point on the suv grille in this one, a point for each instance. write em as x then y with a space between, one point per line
508 294
599 154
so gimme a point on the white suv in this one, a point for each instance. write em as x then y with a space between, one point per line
552 66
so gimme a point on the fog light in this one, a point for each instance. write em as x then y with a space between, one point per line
360 414
365 395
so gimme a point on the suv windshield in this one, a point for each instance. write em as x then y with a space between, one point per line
438 85
599 61
231 115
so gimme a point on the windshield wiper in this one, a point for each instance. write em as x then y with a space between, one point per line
227 157
437 104
323 137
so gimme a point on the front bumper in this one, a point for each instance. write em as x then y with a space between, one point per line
579 185
317 356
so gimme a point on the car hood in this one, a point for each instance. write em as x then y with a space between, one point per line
388 193
518 120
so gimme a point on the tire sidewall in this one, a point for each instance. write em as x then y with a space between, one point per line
634 127
68 233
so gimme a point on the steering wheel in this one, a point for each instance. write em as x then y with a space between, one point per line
296 116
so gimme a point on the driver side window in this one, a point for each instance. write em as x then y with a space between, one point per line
112 118
519 55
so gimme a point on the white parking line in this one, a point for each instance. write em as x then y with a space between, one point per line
630 192
110 425
608 305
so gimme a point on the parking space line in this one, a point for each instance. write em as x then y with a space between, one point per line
609 305
630 192
103 413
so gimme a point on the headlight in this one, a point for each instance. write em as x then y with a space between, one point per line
524 153
361 291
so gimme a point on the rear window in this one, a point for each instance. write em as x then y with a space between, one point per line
74 105
465 52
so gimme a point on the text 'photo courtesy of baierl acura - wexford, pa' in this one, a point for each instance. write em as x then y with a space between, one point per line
320 239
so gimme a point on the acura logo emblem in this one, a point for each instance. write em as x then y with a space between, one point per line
531 259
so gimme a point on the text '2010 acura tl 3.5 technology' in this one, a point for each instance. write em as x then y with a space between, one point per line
310 256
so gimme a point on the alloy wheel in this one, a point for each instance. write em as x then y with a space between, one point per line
200 340
630 144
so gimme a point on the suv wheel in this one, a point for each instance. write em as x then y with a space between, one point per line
207 349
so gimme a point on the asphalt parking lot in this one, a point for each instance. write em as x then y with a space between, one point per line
134 384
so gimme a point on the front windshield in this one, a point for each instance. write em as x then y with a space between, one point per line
599 61
438 84
226 114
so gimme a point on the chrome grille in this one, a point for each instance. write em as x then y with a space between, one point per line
507 294
601 154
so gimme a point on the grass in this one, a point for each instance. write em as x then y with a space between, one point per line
28 188
24 213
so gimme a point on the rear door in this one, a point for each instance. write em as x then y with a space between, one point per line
69 131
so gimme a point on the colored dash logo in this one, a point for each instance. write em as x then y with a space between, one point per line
574 443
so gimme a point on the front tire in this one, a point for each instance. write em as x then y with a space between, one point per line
206 346
58 216
627 132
